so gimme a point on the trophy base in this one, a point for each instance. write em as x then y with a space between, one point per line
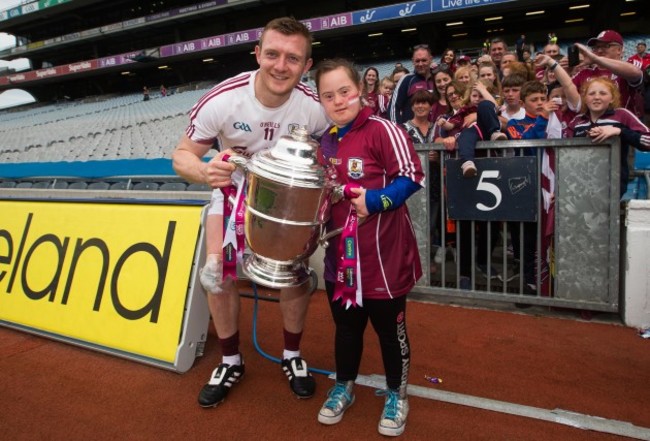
275 274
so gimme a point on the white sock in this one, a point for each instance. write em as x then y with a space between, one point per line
288 355
232 360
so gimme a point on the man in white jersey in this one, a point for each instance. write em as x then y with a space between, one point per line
246 114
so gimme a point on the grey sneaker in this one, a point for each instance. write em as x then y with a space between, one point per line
396 409
339 398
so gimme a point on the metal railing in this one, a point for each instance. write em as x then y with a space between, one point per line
569 258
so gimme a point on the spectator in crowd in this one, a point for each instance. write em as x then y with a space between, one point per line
464 75
145 93
420 128
552 38
489 73
527 59
602 118
441 77
532 126
516 68
604 60
642 60
448 60
520 46
456 94
398 73
163 90
370 88
552 50
506 59
463 60
563 92
399 109
512 105
386 87
271 96
385 265
421 131
498 47
485 128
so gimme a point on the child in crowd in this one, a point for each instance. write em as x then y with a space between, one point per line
488 72
470 103
487 126
369 269
602 118
386 87
533 126
512 98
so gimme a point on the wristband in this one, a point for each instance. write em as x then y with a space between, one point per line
553 66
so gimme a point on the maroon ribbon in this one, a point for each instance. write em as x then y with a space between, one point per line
233 228
348 271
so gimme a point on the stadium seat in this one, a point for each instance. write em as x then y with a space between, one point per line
8 184
99 185
24 184
148 186
78 185
60 185
198 187
41 184
123 185
173 186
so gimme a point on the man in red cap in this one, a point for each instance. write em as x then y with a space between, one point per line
603 59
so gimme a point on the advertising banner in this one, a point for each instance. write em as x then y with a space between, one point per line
30 7
49 3
402 10
110 275
452 5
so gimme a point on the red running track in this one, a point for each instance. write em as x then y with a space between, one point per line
54 391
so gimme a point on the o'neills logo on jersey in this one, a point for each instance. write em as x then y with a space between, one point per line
355 168
84 65
45 73
19 77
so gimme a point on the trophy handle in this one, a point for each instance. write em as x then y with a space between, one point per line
324 238
238 160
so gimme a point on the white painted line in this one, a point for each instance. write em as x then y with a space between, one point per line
559 416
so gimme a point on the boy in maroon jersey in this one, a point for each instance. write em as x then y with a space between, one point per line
369 268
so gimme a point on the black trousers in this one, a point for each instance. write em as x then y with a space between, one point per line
388 318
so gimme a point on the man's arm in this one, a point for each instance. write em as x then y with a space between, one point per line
186 160
632 74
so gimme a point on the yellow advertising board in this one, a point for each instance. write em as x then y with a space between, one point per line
114 275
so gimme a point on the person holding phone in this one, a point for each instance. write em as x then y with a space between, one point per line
602 58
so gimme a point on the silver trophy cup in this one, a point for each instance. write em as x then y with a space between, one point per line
287 204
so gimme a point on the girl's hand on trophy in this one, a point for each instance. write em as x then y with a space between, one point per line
359 203
218 171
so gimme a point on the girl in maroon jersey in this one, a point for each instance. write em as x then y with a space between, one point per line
369 268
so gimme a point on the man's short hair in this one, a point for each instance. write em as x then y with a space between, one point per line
289 26
531 87
498 40
641 43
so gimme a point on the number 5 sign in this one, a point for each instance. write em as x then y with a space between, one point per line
504 189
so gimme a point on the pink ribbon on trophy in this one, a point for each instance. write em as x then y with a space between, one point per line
233 227
348 270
